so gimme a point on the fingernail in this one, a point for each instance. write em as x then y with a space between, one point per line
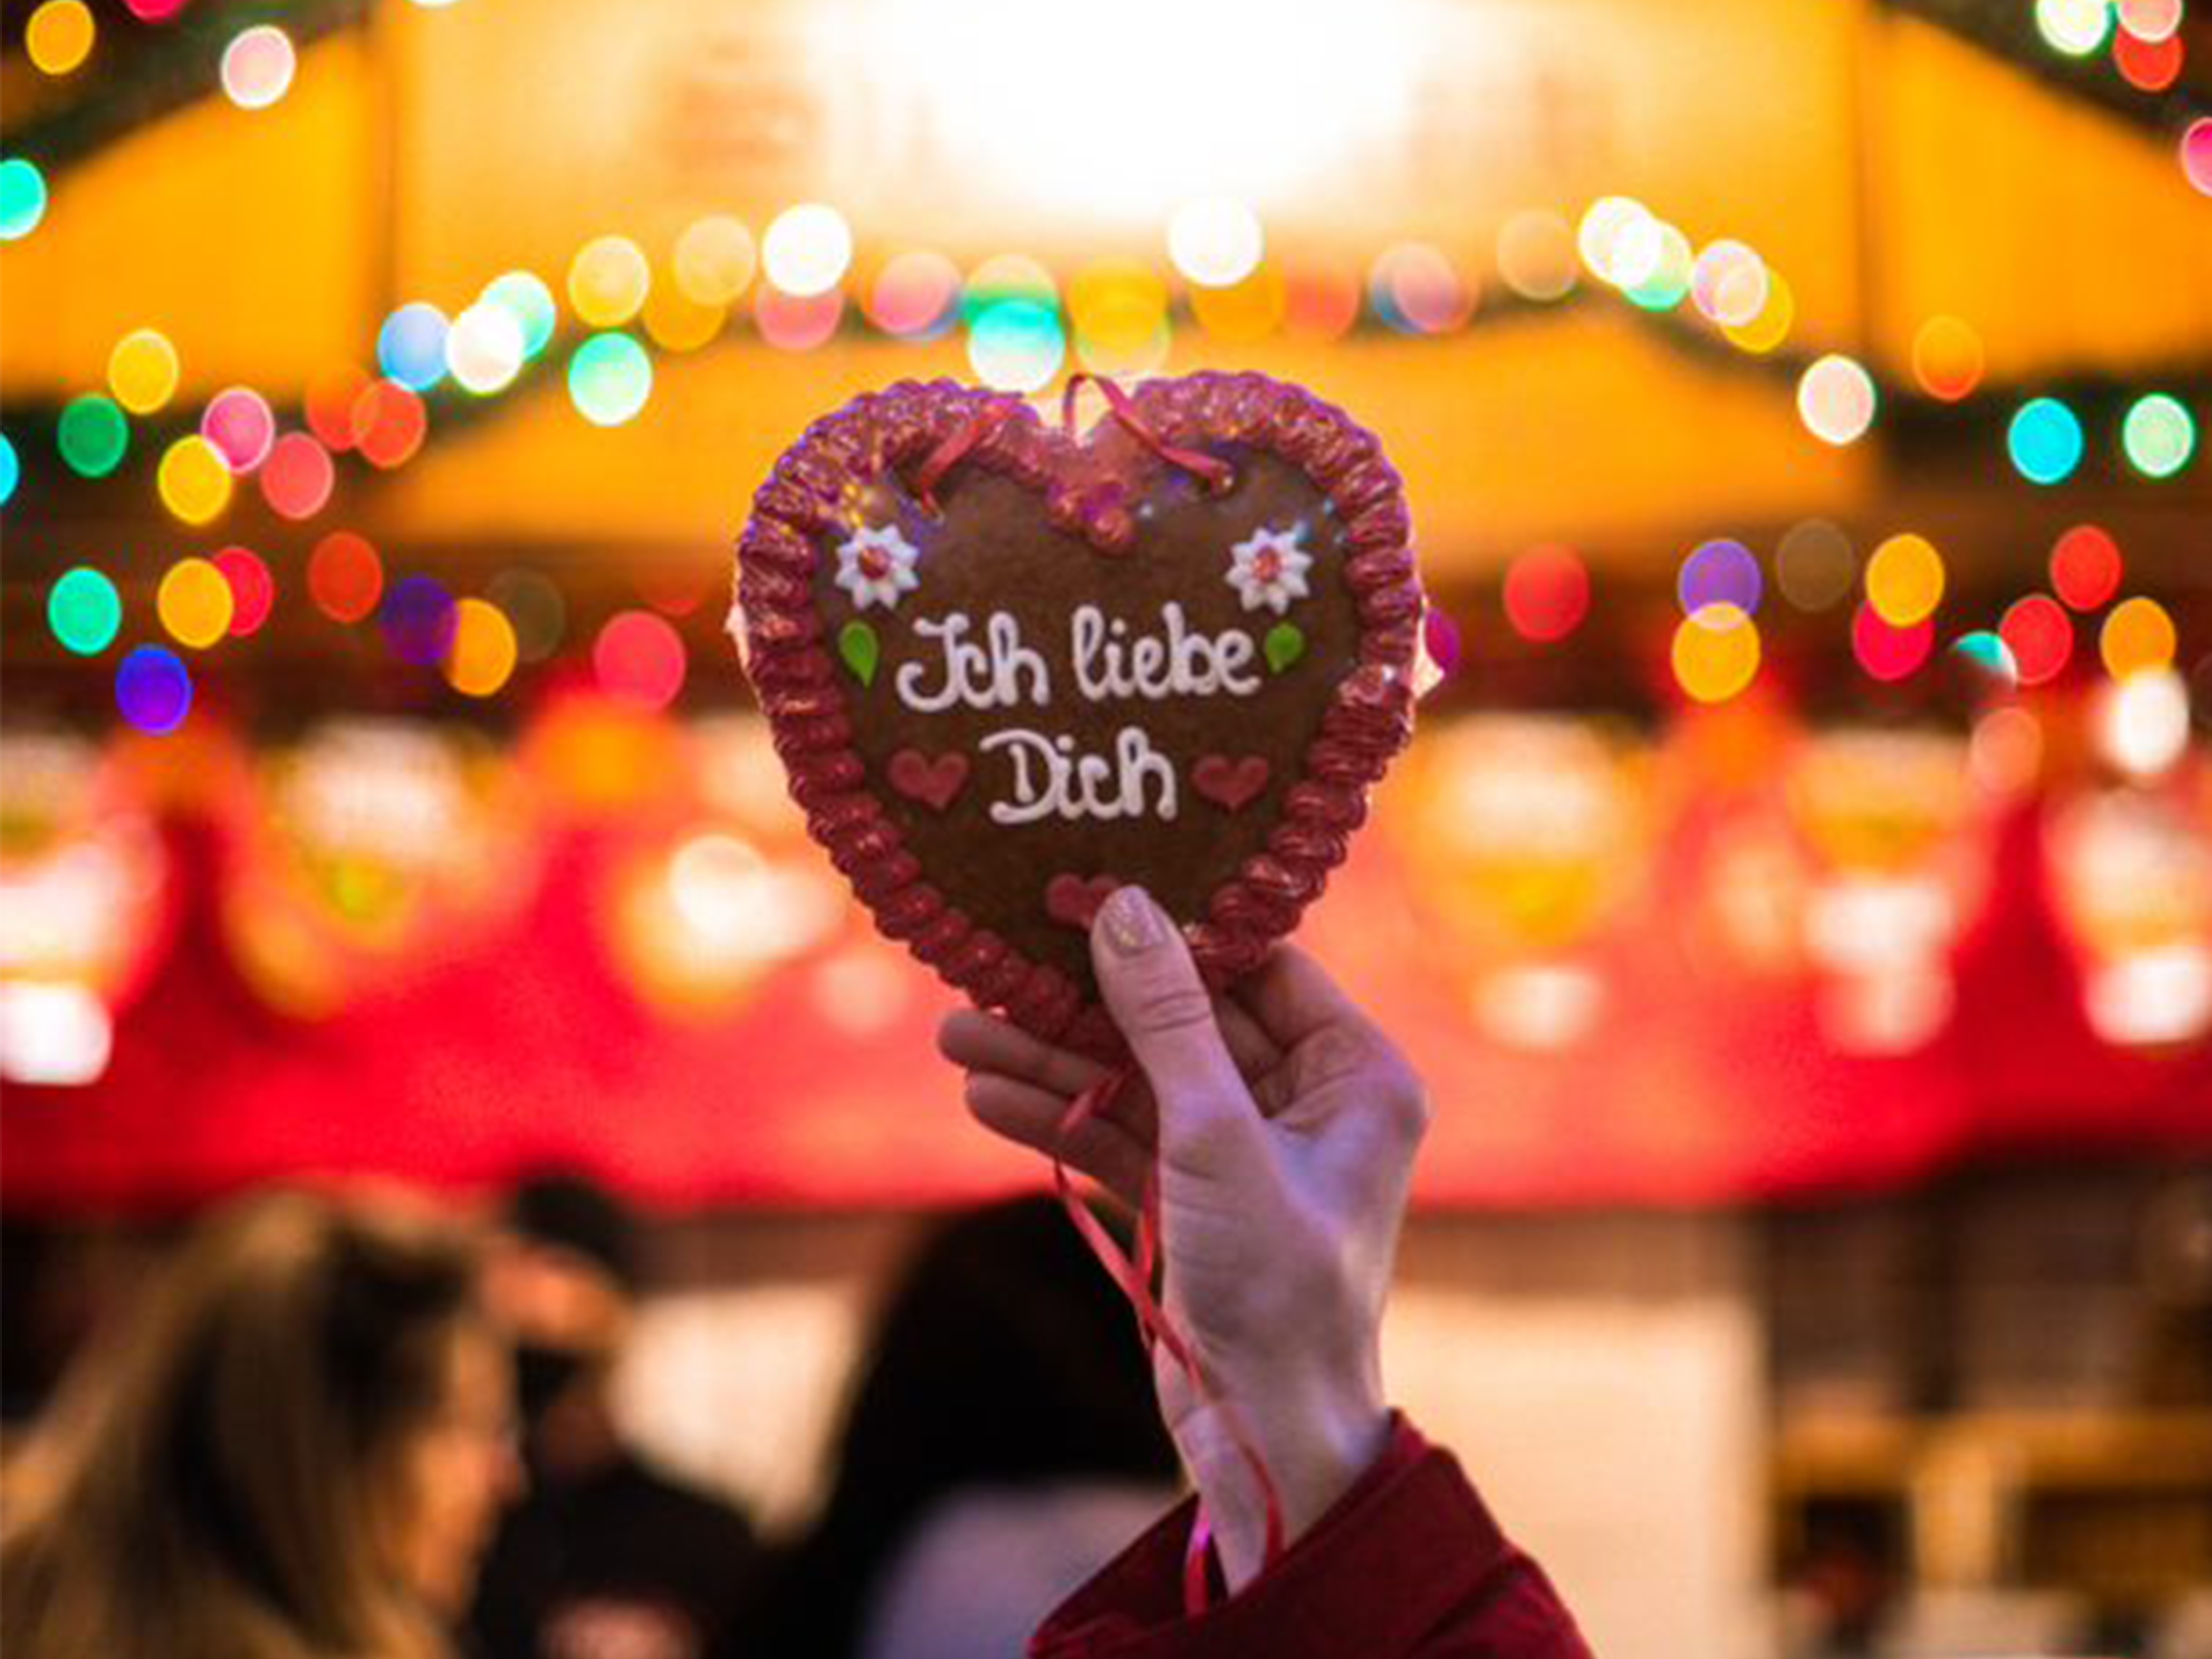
1132 922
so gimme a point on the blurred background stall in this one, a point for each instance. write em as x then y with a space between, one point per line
1799 897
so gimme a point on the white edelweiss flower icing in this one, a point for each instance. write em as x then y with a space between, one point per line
1269 568
875 565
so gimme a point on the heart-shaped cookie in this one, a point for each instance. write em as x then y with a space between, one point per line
1008 668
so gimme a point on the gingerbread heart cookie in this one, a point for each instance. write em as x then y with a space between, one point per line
1009 668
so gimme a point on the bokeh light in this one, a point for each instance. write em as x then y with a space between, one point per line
1716 653
2148 65
2143 722
807 250
1719 572
1547 593
11 469
22 198
676 322
154 11
1772 327
240 423
257 66
1536 254
1986 652
2197 153
1319 303
1905 580
1415 289
418 618
1667 283
389 424
154 689
532 605
2045 441
2041 638
1241 314
1835 399
608 281
2074 27
1015 345
58 37
1947 358
2158 435
915 295
485 349
85 610
143 371
639 658
1886 653
609 378
92 434
484 651
345 576
792 323
2005 756
297 479
253 589
2138 638
1006 276
411 346
1216 241
1815 565
194 480
525 297
2085 566
195 604
1618 239
714 261
2150 20
331 395
1728 285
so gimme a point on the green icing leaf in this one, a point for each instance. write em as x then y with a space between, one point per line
1284 646
857 644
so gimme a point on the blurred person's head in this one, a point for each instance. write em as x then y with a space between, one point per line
296 1448
1003 1357
563 1279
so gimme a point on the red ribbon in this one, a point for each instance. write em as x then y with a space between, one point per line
1159 1327
1215 473
987 418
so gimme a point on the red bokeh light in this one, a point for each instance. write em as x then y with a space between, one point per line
2040 635
640 660
253 589
345 576
2085 566
1547 593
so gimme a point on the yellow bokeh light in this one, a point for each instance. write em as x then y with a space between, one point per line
2138 639
1772 327
59 35
195 603
608 281
143 371
679 323
714 261
1117 304
1244 312
1905 581
484 649
1716 653
194 480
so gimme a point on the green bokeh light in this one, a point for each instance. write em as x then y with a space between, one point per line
93 436
85 610
2158 435
609 378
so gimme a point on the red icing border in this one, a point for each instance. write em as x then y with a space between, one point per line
792 665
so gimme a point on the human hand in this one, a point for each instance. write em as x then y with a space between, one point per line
1283 1123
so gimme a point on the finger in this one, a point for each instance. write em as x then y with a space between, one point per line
1291 996
1209 1126
1098 1146
1255 1053
978 1042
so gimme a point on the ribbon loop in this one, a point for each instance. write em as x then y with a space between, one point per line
956 446
1216 473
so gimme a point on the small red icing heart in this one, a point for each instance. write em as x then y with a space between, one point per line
1229 784
935 784
1072 901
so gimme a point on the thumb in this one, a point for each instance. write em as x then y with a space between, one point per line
1209 1124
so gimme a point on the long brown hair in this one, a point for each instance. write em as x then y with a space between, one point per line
220 1487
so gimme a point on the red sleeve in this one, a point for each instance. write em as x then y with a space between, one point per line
1408 1565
